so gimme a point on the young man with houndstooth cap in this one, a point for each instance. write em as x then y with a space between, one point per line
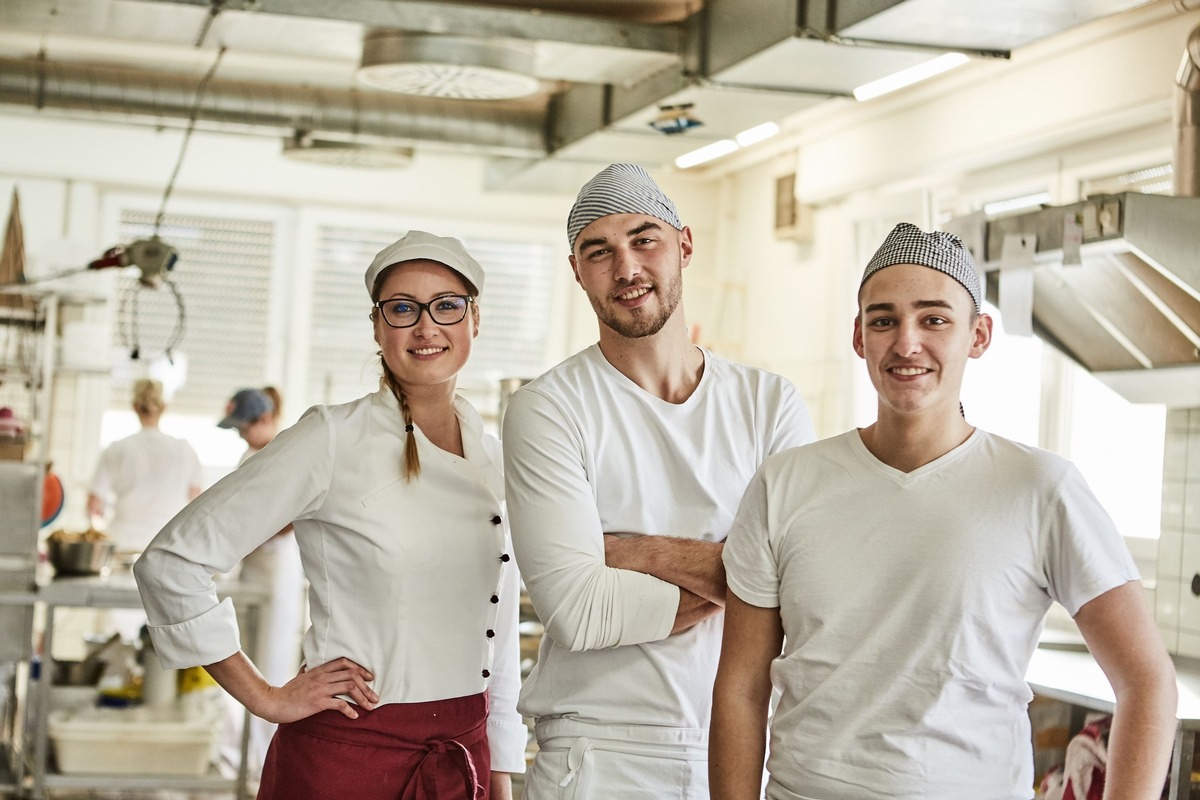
891 582
624 466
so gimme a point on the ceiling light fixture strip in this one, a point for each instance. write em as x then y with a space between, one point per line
715 150
907 77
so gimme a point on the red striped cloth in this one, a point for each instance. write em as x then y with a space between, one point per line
399 751
1082 776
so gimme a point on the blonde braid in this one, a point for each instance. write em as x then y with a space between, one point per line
412 460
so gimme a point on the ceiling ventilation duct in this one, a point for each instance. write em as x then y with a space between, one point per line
308 149
510 129
453 67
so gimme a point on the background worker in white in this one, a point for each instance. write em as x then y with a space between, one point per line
146 477
904 570
624 468
396 499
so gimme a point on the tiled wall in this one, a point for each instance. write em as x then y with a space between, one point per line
1177 605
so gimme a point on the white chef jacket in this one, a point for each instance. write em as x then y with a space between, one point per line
412 580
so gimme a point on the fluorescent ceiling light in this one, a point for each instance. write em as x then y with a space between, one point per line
908 77
706 153
757 134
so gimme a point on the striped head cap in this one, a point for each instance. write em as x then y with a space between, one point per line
908 244
619 189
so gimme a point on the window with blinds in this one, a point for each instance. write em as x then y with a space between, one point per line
515 308
223 279
1153 179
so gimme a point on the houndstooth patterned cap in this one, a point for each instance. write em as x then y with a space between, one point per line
619 189
945 252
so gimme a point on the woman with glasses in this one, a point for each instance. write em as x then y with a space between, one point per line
410 678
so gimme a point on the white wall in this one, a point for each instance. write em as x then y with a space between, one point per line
1095 102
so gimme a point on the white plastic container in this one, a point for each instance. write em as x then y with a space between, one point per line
159 686
132 741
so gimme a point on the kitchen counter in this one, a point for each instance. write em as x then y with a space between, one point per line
1066 671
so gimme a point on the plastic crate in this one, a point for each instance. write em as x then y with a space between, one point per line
132 741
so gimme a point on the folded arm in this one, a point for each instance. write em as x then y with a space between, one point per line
559 542
1126 644
741 696
691 564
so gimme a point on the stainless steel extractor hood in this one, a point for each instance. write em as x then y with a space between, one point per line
1122 297
1116 278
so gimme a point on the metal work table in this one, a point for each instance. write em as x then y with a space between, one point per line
1067 672
117 590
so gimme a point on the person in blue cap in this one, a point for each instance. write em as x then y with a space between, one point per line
891 583
254 414
624 466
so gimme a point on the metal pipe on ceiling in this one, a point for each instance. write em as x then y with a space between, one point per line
1187 120
513 129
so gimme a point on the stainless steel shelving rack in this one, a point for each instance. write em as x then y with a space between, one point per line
28 325
116 591
29 321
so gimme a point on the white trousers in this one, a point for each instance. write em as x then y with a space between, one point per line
585 761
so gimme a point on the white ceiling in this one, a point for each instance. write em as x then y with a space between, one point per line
604 67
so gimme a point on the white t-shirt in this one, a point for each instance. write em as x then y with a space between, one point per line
588 451
150 475
412 580
911 606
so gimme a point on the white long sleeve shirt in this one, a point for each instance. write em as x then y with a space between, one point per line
412 580
587 451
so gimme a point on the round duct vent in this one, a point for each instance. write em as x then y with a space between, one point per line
447 66
303 147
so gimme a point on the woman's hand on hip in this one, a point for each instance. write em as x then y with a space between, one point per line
317 689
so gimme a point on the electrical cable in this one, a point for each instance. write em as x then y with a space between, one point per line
127 321
187 135
130 336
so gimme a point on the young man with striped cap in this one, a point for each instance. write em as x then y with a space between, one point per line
624 466
891 582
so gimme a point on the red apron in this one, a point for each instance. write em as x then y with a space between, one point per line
399 751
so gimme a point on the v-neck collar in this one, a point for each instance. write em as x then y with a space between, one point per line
859 448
